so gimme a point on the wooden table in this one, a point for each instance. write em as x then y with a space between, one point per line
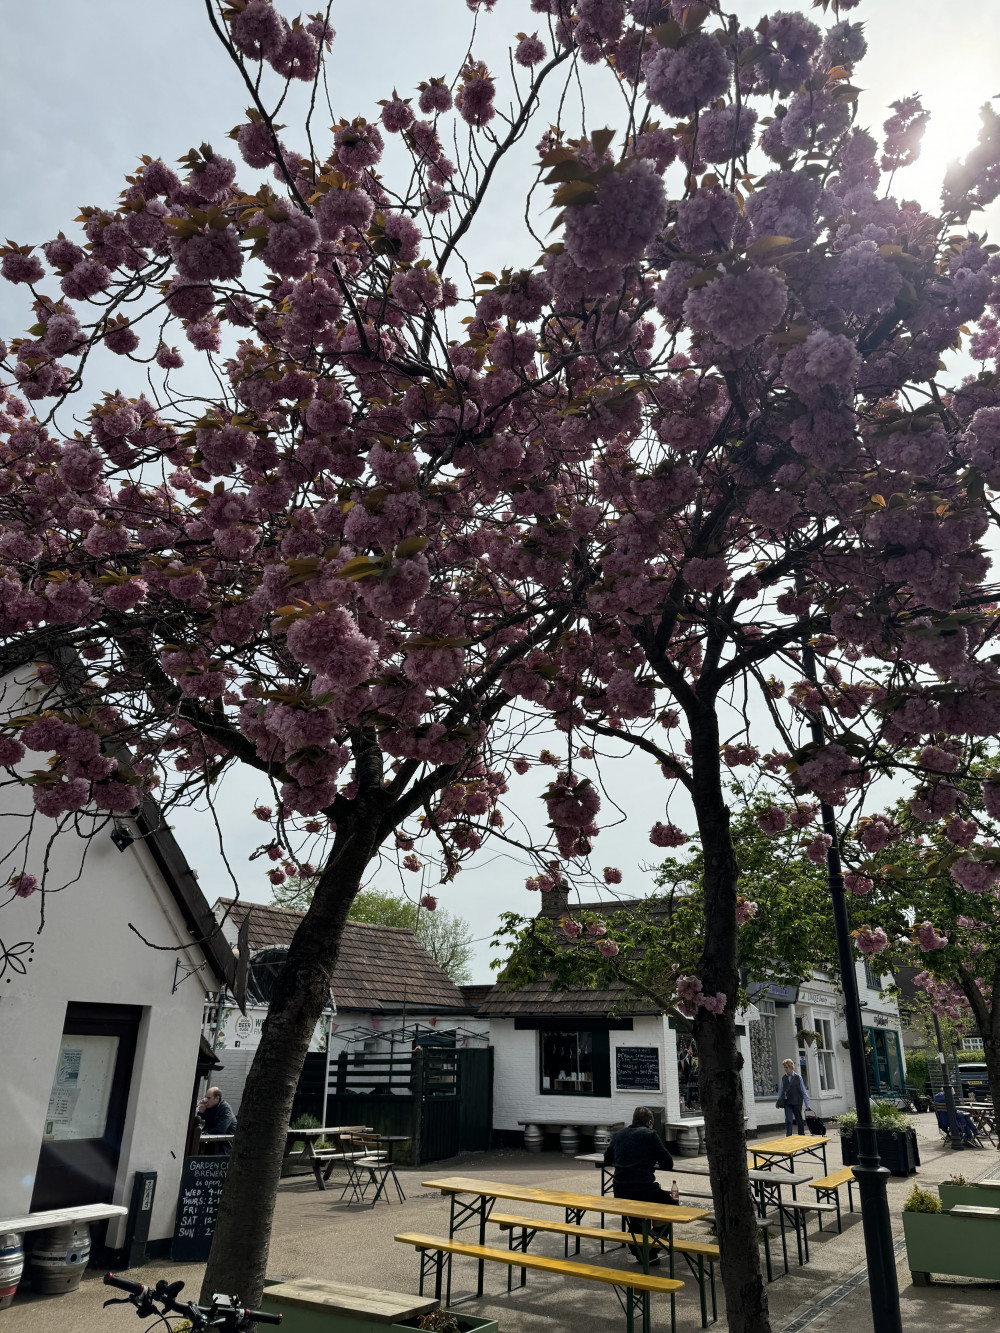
983 1117
308 1138
782 1152
658 1219
767 1185
607 1172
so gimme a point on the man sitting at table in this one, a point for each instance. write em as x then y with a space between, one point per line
964 1121
635 1153
217 1118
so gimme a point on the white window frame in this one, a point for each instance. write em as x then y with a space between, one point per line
826 1056
972 1044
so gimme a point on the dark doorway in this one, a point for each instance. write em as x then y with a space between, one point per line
85 1121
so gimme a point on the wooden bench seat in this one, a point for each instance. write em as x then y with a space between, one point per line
797 1212
635 1286
695 1252
828 1190
62 1217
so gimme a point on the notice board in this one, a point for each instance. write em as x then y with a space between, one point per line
197 1205
637 1067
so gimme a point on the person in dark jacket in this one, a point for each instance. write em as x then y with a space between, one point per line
792 1097
636 1153
217 1117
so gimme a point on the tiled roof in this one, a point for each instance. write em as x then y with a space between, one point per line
537 998
475 995
379 968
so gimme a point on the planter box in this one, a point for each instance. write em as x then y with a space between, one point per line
308 1305
986 1194
899 1152
954 1246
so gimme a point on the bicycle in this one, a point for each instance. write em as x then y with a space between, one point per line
225 1312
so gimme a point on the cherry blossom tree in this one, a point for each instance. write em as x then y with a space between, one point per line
412 513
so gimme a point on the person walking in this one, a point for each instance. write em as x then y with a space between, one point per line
792 1097
636 1153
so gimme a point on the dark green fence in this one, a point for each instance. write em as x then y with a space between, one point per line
442 1099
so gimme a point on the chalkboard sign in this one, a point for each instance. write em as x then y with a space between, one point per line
197 1205
637 1067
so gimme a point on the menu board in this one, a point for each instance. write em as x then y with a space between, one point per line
637 1067
197 1205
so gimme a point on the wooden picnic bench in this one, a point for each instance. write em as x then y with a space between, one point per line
694 1252
828 1188
633 1289
783 1152
320 1161
657 1219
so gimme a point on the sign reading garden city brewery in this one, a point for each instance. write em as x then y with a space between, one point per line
637 1067
197 1205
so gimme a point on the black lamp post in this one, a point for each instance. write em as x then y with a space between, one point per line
871 1176
955 1136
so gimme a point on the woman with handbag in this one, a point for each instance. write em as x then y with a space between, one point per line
792 1097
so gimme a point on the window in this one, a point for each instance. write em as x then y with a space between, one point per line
825 1056
763 1055
575 1063
972 1043
872 979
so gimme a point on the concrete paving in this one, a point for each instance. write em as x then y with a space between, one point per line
315 1235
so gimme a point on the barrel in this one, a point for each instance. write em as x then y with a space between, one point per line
59 1257
533 1138
11 1266
569 1140
602 1137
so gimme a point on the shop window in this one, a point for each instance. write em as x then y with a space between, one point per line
575 1064
885 1062
763 1055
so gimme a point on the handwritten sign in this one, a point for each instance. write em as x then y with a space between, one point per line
637 1067
197 1205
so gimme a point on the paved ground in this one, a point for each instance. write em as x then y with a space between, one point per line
316 1236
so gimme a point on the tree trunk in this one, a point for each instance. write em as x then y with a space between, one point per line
991 1050
238 1260
720 1063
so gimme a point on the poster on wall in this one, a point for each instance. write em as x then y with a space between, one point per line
81 1089
637 1068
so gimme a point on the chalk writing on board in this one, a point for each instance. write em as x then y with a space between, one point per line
637 1067
197 1206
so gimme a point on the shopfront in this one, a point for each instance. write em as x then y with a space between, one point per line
884 1057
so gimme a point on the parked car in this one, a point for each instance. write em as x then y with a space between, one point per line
975 1080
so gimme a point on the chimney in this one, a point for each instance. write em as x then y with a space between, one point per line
555 903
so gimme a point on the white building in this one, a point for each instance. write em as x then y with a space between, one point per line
578 1059
99 1030
806 1024
387 995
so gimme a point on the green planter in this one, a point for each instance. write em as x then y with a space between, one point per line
953 1246
983 1195
898 1152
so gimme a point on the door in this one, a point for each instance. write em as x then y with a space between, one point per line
85 1119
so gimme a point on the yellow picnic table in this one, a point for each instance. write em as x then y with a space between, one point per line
658 1219
783 1152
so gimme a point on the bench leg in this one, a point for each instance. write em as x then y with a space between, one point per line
767 1256
711 1277
701 1290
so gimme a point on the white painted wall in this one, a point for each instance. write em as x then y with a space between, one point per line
516 1093
87 953
820 998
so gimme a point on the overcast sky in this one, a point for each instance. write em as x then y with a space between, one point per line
85 89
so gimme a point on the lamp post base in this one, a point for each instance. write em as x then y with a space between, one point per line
877 1223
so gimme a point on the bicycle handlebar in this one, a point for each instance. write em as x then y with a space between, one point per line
223 1311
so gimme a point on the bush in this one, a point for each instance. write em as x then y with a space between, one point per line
920 1201
305 1121
957 1180
916 1069
885 1117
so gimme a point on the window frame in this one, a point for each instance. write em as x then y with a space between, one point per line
600 1056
